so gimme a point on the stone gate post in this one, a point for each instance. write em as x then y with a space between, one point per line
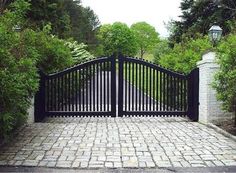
209 107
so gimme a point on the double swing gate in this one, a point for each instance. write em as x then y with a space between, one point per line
122 86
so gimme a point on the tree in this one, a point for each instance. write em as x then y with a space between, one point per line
161 49
117 38
146 36
198 16
226 77
67 18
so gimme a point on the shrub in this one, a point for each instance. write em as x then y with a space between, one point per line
184 56
78 52
225 83
18 72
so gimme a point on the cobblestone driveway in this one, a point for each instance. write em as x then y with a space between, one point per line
118 142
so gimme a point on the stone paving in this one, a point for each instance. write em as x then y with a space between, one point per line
129 142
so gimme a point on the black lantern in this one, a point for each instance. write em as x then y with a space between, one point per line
215 33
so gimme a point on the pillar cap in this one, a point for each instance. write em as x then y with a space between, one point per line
208 58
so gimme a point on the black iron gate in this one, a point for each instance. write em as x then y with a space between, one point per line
110 86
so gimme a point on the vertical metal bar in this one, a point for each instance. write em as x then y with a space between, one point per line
104 82
97 65
185 95
147 87
47 94
65 89
113 86
101 87
108 86
140 87
62 93
129 85
167 91
164 91
157 91
161 92
68 92
83 85
87 88
143 79
181 94
178 101
58 93
52 94
80 88
76 89
136 86
94 87
126 81
132 85
154 90
72 90
150 89
120 90
174 93
90 87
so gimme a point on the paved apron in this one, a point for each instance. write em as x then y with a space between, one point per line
99 142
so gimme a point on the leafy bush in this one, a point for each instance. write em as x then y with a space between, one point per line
161 49
78 51
184 56
22 53
18 72
225 83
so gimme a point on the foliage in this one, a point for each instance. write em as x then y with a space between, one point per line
18 72
117 38
53 55
184 56
78 51
160 50
199 16
67 18
22 53
146 36
226 77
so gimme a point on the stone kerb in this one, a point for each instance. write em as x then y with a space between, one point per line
209 108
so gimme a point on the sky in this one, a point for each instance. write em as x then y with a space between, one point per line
154 12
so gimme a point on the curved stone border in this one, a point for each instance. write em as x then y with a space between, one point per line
219 130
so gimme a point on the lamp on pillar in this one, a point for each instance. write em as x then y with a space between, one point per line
16 28
215 33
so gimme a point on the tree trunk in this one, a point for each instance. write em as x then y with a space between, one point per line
142 53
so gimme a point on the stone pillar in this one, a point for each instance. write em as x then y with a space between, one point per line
30 118
209 108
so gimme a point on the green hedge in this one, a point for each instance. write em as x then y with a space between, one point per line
225 83
22 54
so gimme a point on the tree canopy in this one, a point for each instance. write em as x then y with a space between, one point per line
146 36
117 38
199 15
68 18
